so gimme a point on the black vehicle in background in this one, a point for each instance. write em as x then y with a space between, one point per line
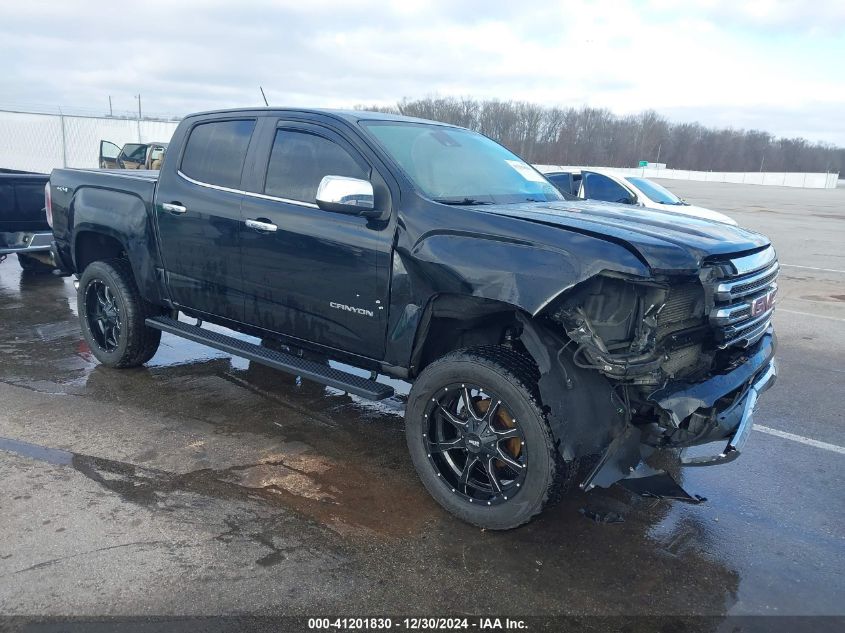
23 221
536 330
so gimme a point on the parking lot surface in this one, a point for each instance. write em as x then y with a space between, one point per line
203 484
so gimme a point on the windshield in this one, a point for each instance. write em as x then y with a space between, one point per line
457 166
656 192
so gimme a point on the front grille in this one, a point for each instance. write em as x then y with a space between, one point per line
756 284
744 302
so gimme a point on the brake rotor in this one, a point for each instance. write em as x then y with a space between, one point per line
505 419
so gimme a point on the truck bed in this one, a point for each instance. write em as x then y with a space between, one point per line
142 174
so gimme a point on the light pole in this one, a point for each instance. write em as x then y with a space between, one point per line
138 97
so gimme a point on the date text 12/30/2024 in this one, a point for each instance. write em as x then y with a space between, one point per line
416 624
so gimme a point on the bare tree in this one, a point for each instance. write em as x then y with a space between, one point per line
596 136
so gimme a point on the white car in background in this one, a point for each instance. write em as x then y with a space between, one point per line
596 184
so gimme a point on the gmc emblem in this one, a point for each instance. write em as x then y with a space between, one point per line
764 303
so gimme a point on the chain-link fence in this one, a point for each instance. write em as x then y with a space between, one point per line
41 142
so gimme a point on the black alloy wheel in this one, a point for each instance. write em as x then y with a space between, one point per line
479 438
103 314
113 315
475 444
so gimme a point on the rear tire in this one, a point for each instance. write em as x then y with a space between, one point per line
112 314
511 480
33 265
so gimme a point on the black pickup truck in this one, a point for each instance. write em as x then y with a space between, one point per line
24 227
539 333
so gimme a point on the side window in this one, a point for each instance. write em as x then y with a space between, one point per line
298 162
598 187
215 152
563 182
108 150
134 152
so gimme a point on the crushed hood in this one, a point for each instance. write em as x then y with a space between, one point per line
665 241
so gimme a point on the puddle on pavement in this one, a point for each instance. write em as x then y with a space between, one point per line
344 456
344 497
34 451
337 461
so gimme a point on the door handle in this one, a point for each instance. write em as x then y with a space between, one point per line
263 227
174 208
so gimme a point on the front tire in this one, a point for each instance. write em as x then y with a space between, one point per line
479 438
112 314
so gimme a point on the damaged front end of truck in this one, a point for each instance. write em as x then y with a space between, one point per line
684 358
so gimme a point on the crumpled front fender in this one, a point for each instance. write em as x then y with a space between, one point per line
584 412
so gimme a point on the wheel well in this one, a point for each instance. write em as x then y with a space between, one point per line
454 322
92 246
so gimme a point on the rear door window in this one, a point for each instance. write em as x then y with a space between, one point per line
299 161
562 181
599 187
215 152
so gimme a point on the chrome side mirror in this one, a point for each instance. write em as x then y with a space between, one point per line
346 195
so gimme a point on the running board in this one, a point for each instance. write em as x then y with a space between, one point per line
282 361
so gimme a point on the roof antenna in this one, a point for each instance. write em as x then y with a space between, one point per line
264 96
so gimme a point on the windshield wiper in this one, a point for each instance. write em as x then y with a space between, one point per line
461 201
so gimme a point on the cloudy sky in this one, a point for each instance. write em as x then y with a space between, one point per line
765 64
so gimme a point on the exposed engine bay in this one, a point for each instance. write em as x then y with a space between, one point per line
683 353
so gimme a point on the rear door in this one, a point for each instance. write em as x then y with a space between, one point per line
319 276
108 155
155 156
198 209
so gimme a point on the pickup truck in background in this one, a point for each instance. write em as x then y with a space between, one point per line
24 230
538 332
131 155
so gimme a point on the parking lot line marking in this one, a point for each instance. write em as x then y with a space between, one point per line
800 439
820 316
824 270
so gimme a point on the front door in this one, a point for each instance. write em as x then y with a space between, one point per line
315 275
132 156
108 155
198 209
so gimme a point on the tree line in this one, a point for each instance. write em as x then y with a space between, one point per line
597 136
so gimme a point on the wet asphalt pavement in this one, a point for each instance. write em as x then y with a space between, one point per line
204 484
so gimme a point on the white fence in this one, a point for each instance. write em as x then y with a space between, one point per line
41 142
779 179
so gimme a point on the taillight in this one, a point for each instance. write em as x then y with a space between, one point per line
48 204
